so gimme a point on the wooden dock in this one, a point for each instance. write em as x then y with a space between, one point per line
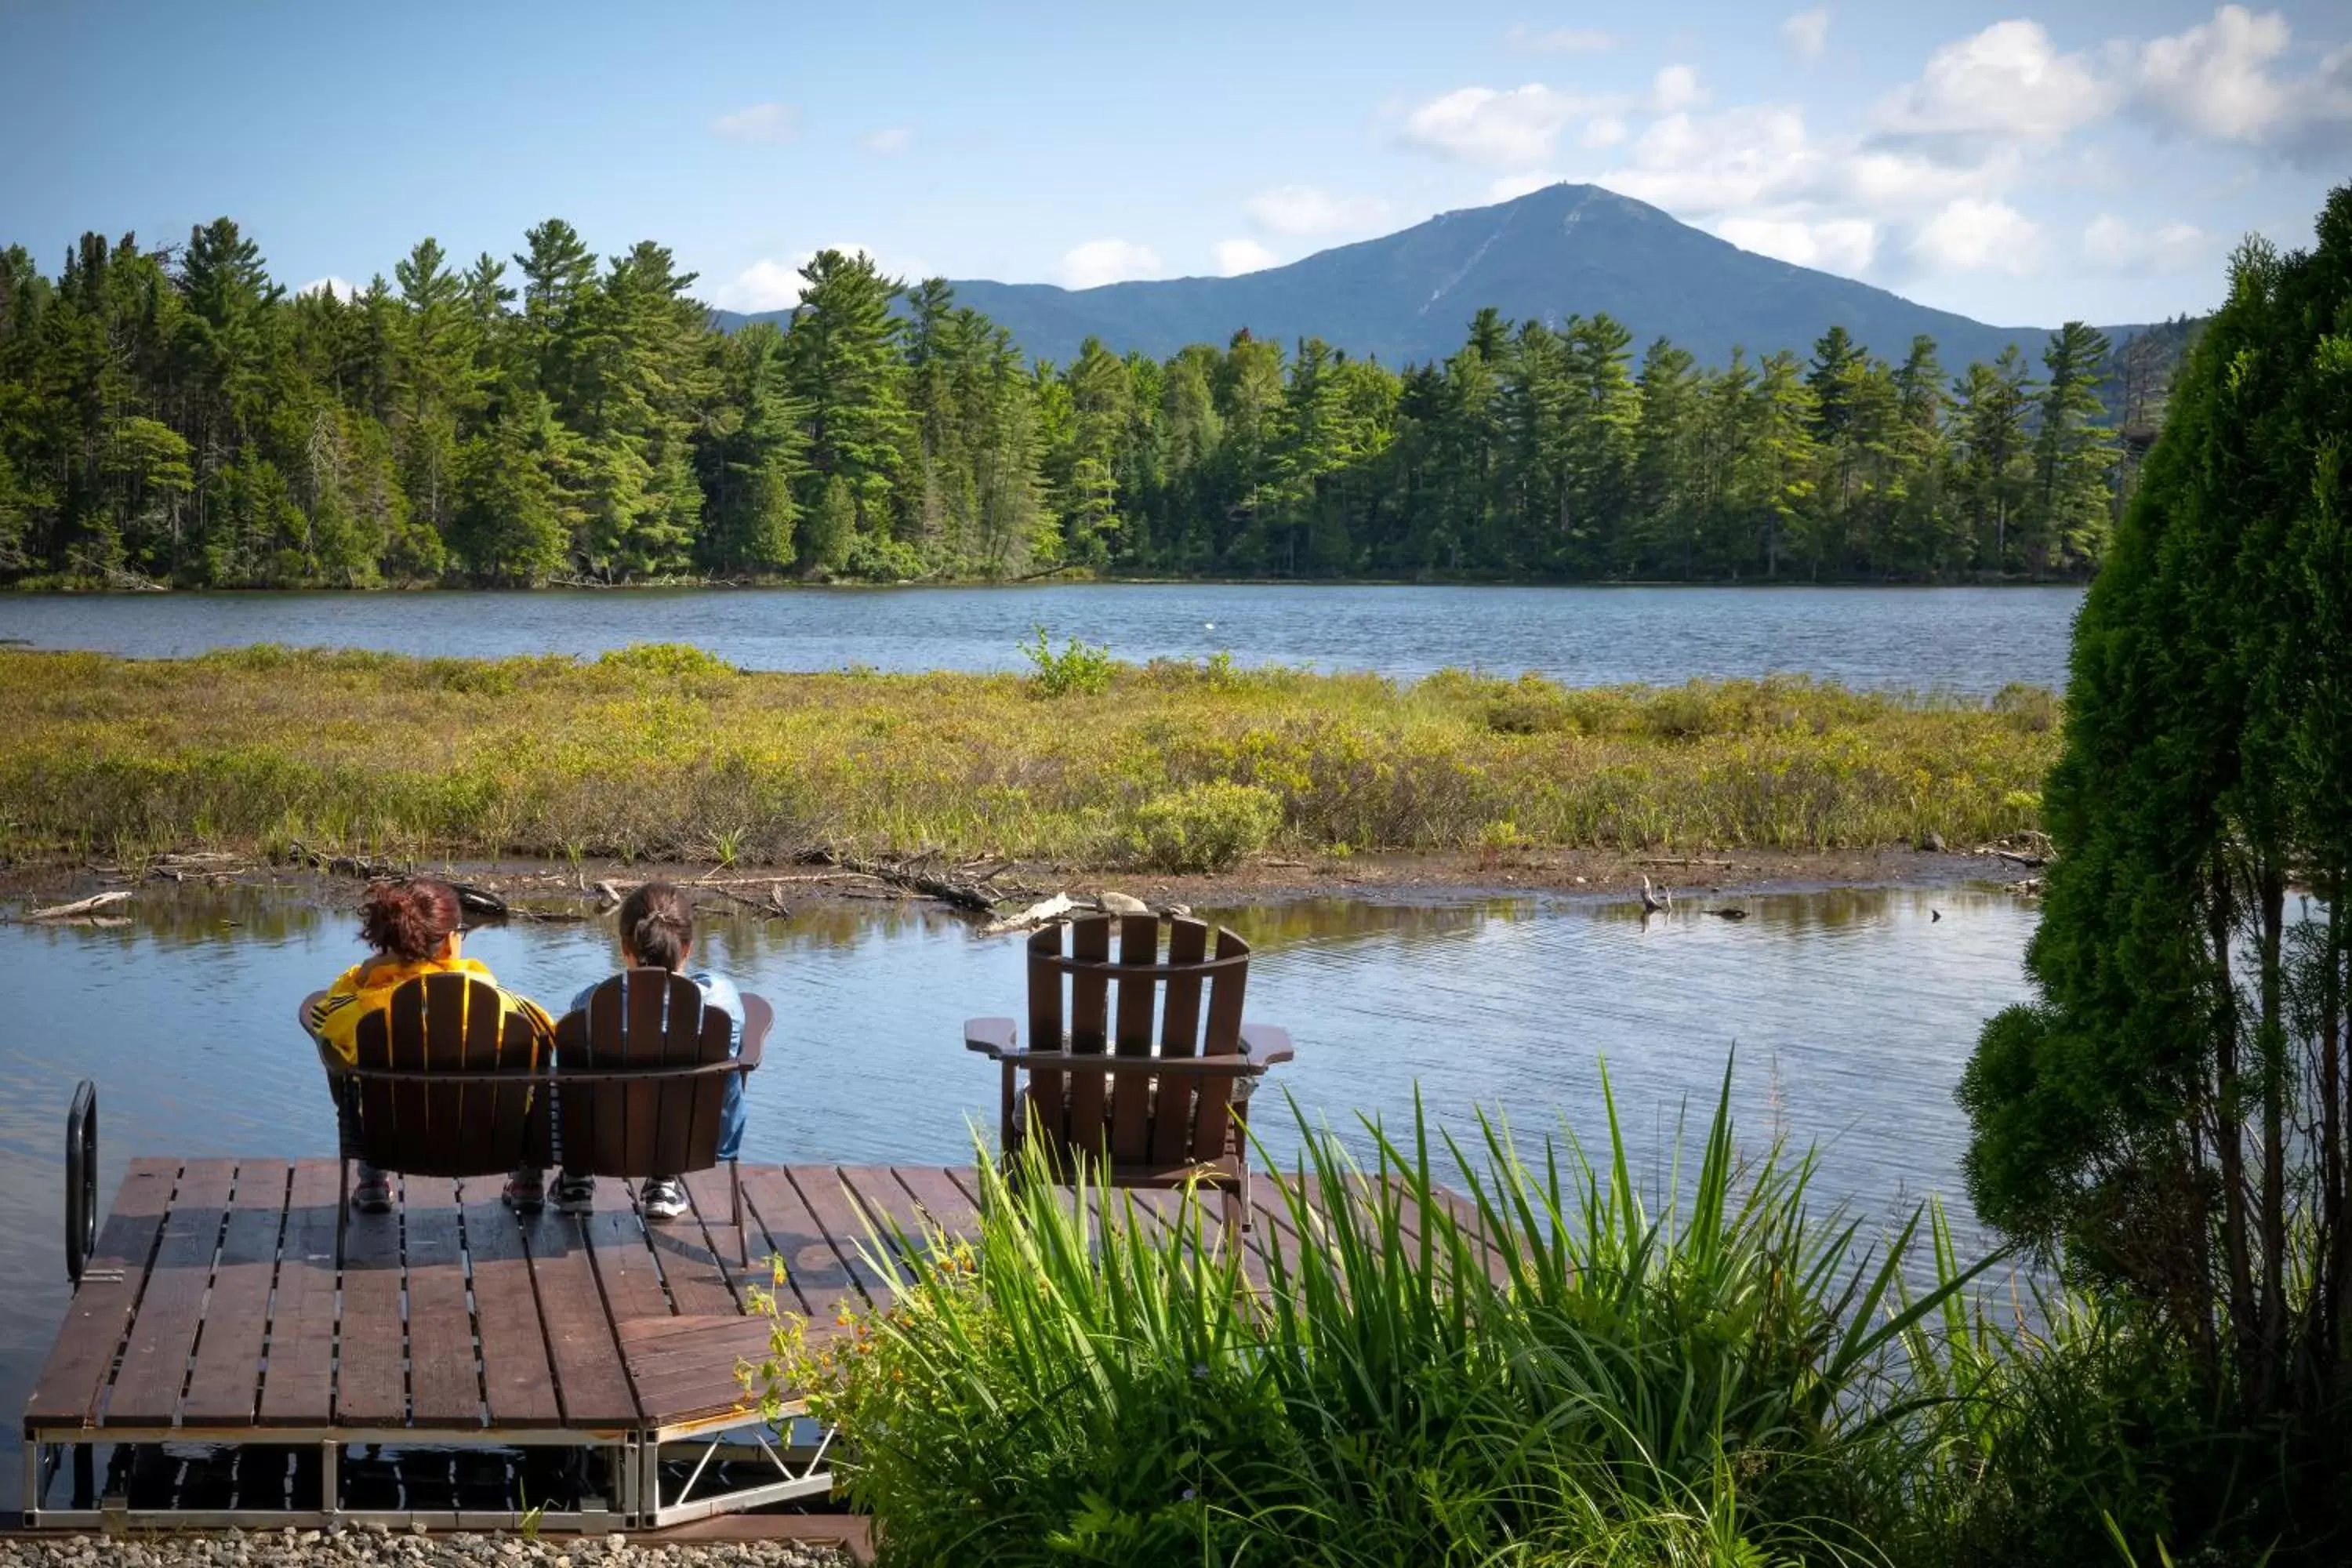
223 1361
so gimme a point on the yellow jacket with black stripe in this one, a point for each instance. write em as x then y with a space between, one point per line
366 988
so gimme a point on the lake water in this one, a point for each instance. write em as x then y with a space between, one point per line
1851 1013
1972 640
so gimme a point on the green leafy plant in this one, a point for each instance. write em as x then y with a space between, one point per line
1201 827
1081 669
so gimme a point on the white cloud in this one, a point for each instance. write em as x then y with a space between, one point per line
1808 33
2116 246
2008 80
1834 244
1740 158
889 140
1970 234
2215 80
1509 127
765 285
1676 88
1560 40
1511 187
769 284
1101 262
767 122
340 288
1602 130
1309 210
1235 257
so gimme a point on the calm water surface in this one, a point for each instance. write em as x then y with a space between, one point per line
1851 1012
1961 639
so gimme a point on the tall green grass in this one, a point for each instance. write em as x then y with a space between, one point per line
1564 1370
667 753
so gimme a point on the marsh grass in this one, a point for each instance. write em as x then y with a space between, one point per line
1562 1369
665 752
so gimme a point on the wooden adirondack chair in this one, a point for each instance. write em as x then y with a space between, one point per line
447 1083
642 1077
442 1084
1141 1112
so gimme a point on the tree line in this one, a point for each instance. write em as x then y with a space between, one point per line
174 415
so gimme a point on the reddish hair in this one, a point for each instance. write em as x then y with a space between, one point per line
408 918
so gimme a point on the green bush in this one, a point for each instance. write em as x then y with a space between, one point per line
1202 828
1082 669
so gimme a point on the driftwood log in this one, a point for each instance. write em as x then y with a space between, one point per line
88 906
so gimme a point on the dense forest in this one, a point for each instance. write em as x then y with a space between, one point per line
172 415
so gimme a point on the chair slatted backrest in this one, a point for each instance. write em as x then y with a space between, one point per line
446 1023
665 1127
1134 1118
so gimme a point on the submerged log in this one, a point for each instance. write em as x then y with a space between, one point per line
90 905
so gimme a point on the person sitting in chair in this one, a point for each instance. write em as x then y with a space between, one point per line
656 929
412 924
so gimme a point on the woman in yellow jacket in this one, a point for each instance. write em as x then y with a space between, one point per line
412 923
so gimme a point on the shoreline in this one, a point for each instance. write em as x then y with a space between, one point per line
553 890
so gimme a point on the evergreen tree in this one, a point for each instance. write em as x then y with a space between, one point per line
2169 1116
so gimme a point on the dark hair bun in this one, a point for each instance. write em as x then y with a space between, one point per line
657 923
408 918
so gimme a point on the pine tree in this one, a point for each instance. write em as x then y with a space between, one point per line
2073 453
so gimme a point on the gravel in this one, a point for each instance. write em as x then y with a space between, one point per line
402 1549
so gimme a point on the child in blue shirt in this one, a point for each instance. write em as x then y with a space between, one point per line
657 926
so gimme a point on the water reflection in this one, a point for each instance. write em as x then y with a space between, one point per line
1851 1013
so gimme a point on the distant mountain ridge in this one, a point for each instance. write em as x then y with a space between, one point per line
1564 250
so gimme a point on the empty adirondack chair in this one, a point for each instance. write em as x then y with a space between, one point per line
641 1076
1151 1089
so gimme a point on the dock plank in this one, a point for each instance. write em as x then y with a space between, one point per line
626 1271
224 1384
714 1209
66 1390
686 1251
146 1391
590 1384
298 1384
943 1203
828 1205
518 1384
370 1341
445 1387
813 1269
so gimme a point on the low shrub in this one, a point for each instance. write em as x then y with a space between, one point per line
1083 670
1201 827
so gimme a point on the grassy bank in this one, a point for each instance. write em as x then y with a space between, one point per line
665 752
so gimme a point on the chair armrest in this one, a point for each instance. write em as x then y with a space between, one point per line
1265 1044
756 1016
1238 1065
995 1039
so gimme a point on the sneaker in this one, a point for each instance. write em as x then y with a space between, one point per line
371 1193
662 1198
575 1195
526 1191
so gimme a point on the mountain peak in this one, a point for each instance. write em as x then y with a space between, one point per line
1559 250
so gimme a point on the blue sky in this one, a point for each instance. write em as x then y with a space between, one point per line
2086 160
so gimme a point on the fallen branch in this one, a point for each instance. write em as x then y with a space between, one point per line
90 905
1680 860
